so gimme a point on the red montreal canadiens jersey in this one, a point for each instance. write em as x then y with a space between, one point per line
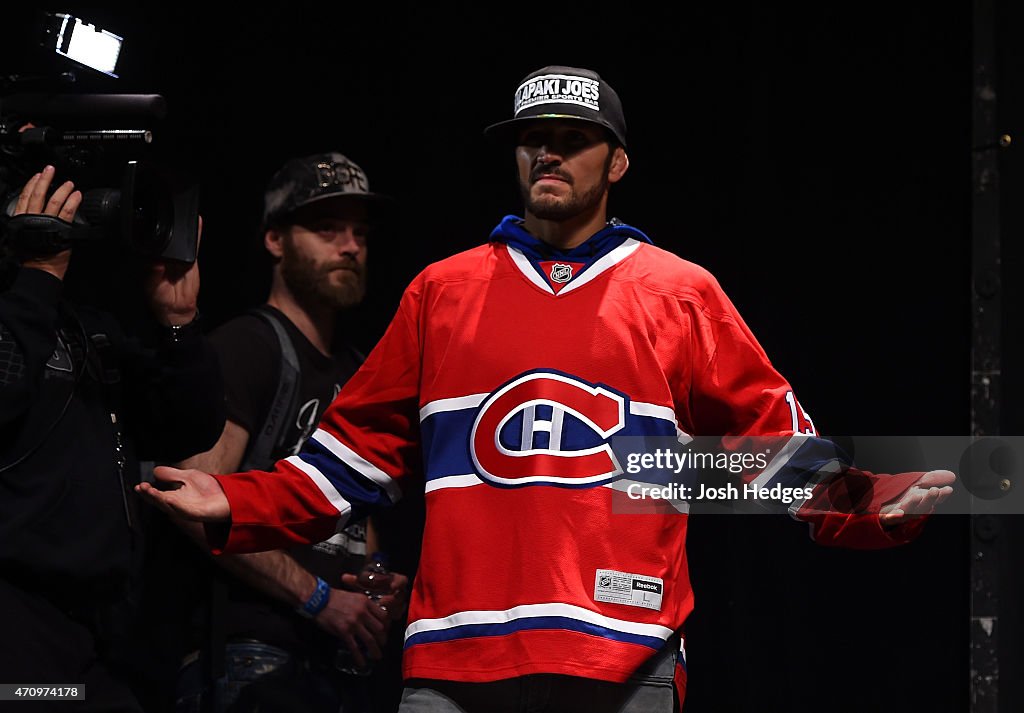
498 394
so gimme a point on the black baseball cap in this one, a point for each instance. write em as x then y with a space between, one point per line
301 181
558 92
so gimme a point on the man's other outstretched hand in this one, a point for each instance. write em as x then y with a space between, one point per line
920 499
192 494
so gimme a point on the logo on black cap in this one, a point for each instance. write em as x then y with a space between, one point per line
343 174
305 180
564 93
559 89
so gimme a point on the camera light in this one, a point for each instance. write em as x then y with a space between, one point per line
87 45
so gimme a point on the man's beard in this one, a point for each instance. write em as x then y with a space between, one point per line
311 285
548 206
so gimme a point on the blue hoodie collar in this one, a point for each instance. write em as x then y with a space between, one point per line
511 231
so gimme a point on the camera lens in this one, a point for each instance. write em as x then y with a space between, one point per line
100 206
151 218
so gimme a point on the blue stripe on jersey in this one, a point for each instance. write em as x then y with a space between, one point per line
353 485
450 455
469 631
801 468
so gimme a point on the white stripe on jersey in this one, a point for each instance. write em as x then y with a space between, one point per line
457 403
613 258
527 611
600 265
343 506
780 459
527 268
664 413
359 464
453 481
638 408
460 403
824 475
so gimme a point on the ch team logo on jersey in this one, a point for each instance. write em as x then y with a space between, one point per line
548 428
561 273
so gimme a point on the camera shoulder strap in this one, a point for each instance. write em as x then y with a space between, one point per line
258 457
267 440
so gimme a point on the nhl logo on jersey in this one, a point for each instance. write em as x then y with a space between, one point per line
548 428
561 273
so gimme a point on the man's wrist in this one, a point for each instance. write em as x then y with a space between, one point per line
317 601
183 331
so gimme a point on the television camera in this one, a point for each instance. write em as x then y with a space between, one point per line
102 142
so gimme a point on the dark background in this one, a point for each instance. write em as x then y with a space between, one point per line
816 161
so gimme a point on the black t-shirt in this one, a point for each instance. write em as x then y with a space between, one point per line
250 356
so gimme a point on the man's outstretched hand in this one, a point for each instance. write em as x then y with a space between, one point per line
920 499
194 495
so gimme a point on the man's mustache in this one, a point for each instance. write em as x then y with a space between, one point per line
544 170
344 265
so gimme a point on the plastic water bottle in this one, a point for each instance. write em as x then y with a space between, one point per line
375 578
375 581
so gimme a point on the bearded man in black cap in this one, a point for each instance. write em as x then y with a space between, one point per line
283 364
502 382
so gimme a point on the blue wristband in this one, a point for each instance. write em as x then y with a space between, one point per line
317 600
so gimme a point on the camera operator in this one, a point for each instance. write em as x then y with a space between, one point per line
80 403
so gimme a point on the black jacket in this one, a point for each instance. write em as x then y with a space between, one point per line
68 513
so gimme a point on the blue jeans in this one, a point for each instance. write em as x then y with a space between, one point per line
262 677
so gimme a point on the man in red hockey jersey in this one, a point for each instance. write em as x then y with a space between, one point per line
507 425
